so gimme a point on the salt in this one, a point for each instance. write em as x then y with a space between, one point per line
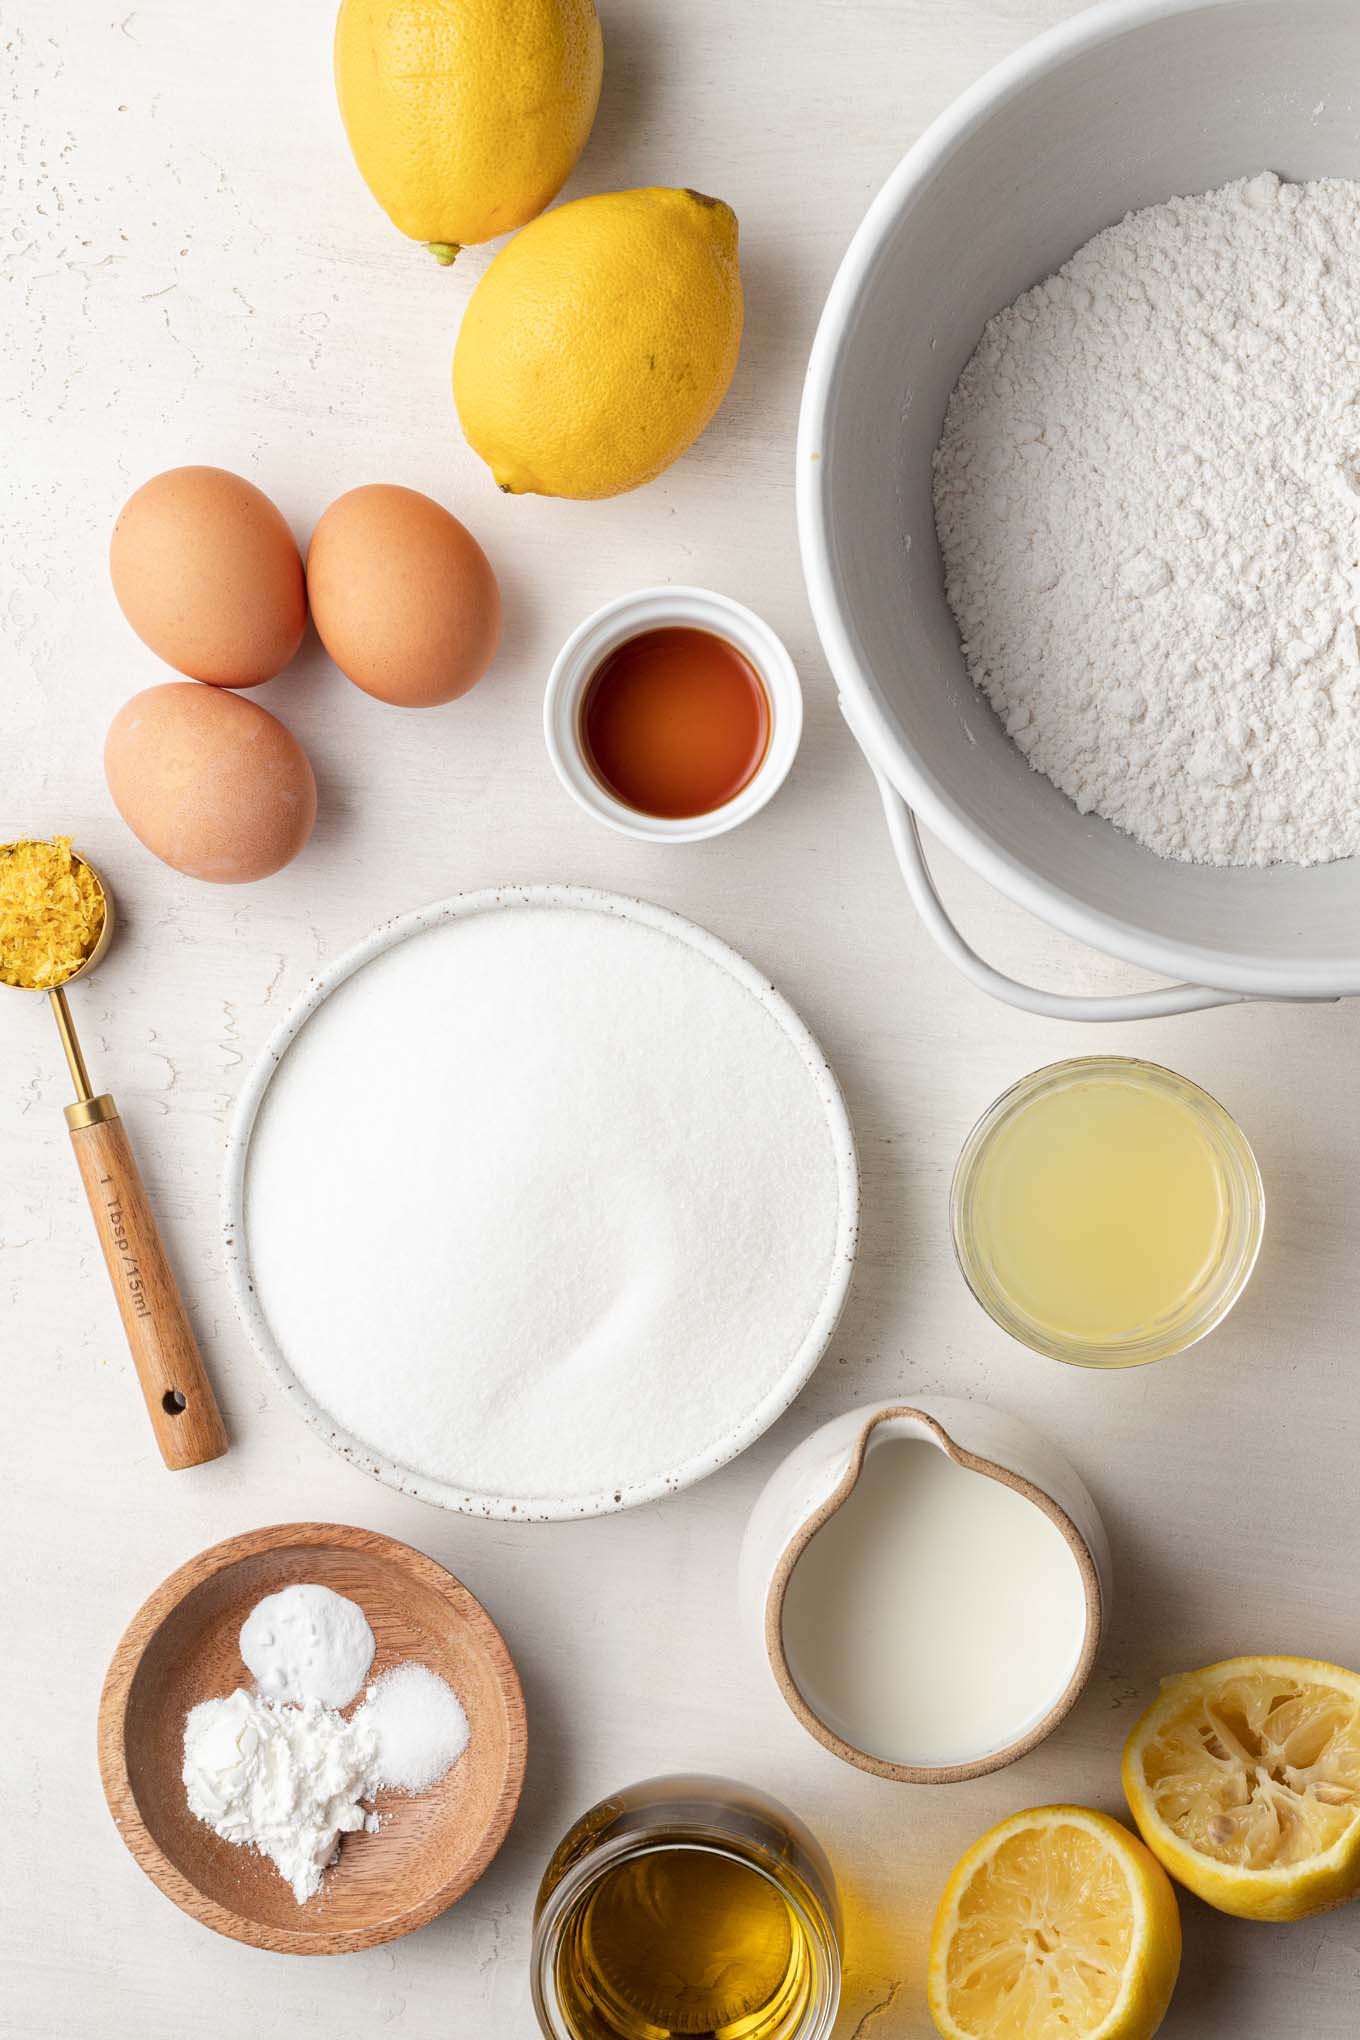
418 1726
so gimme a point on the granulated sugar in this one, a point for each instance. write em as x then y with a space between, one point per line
541 1203
1148 501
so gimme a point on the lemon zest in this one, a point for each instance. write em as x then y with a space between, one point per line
51 913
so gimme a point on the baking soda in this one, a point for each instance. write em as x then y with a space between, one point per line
307 1643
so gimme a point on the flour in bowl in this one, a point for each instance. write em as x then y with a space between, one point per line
544 1204
1147 494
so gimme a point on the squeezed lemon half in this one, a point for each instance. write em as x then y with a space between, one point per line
1056 1925
1244 1779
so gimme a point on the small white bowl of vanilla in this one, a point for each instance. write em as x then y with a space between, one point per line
930 1579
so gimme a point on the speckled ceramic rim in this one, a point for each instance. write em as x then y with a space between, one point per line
1248 1217
542 1508
657 609
993 1760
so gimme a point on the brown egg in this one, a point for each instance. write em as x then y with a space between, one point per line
208 574
213 785
402 595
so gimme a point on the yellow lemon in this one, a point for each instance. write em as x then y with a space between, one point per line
1057 1925
1244 1779
466 116
600 342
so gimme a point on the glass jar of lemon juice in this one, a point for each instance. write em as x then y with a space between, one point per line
687 1908
1107 1211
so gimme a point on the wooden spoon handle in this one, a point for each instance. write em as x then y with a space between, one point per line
179 1398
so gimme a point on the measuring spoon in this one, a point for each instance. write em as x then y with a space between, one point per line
179 1398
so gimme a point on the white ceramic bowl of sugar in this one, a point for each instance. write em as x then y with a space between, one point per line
540 1203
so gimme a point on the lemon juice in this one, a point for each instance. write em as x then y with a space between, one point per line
1107 1210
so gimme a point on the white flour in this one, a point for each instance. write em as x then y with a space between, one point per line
541 1203
286 1781
1148 499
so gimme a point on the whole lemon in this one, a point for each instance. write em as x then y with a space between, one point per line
600 342
466 116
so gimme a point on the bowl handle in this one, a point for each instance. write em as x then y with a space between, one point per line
1157 1004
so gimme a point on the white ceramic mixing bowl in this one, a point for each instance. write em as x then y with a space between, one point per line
1124 106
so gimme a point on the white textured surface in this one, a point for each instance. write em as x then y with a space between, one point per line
193 271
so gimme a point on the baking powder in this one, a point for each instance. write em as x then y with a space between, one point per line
285 1781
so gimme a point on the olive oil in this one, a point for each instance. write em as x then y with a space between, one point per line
687 1908
685 1942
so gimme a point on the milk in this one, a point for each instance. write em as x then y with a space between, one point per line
938 1615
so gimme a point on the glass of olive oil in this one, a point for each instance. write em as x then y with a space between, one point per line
1107 1211
687 1908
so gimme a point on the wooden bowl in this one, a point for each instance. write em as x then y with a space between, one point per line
181 1647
